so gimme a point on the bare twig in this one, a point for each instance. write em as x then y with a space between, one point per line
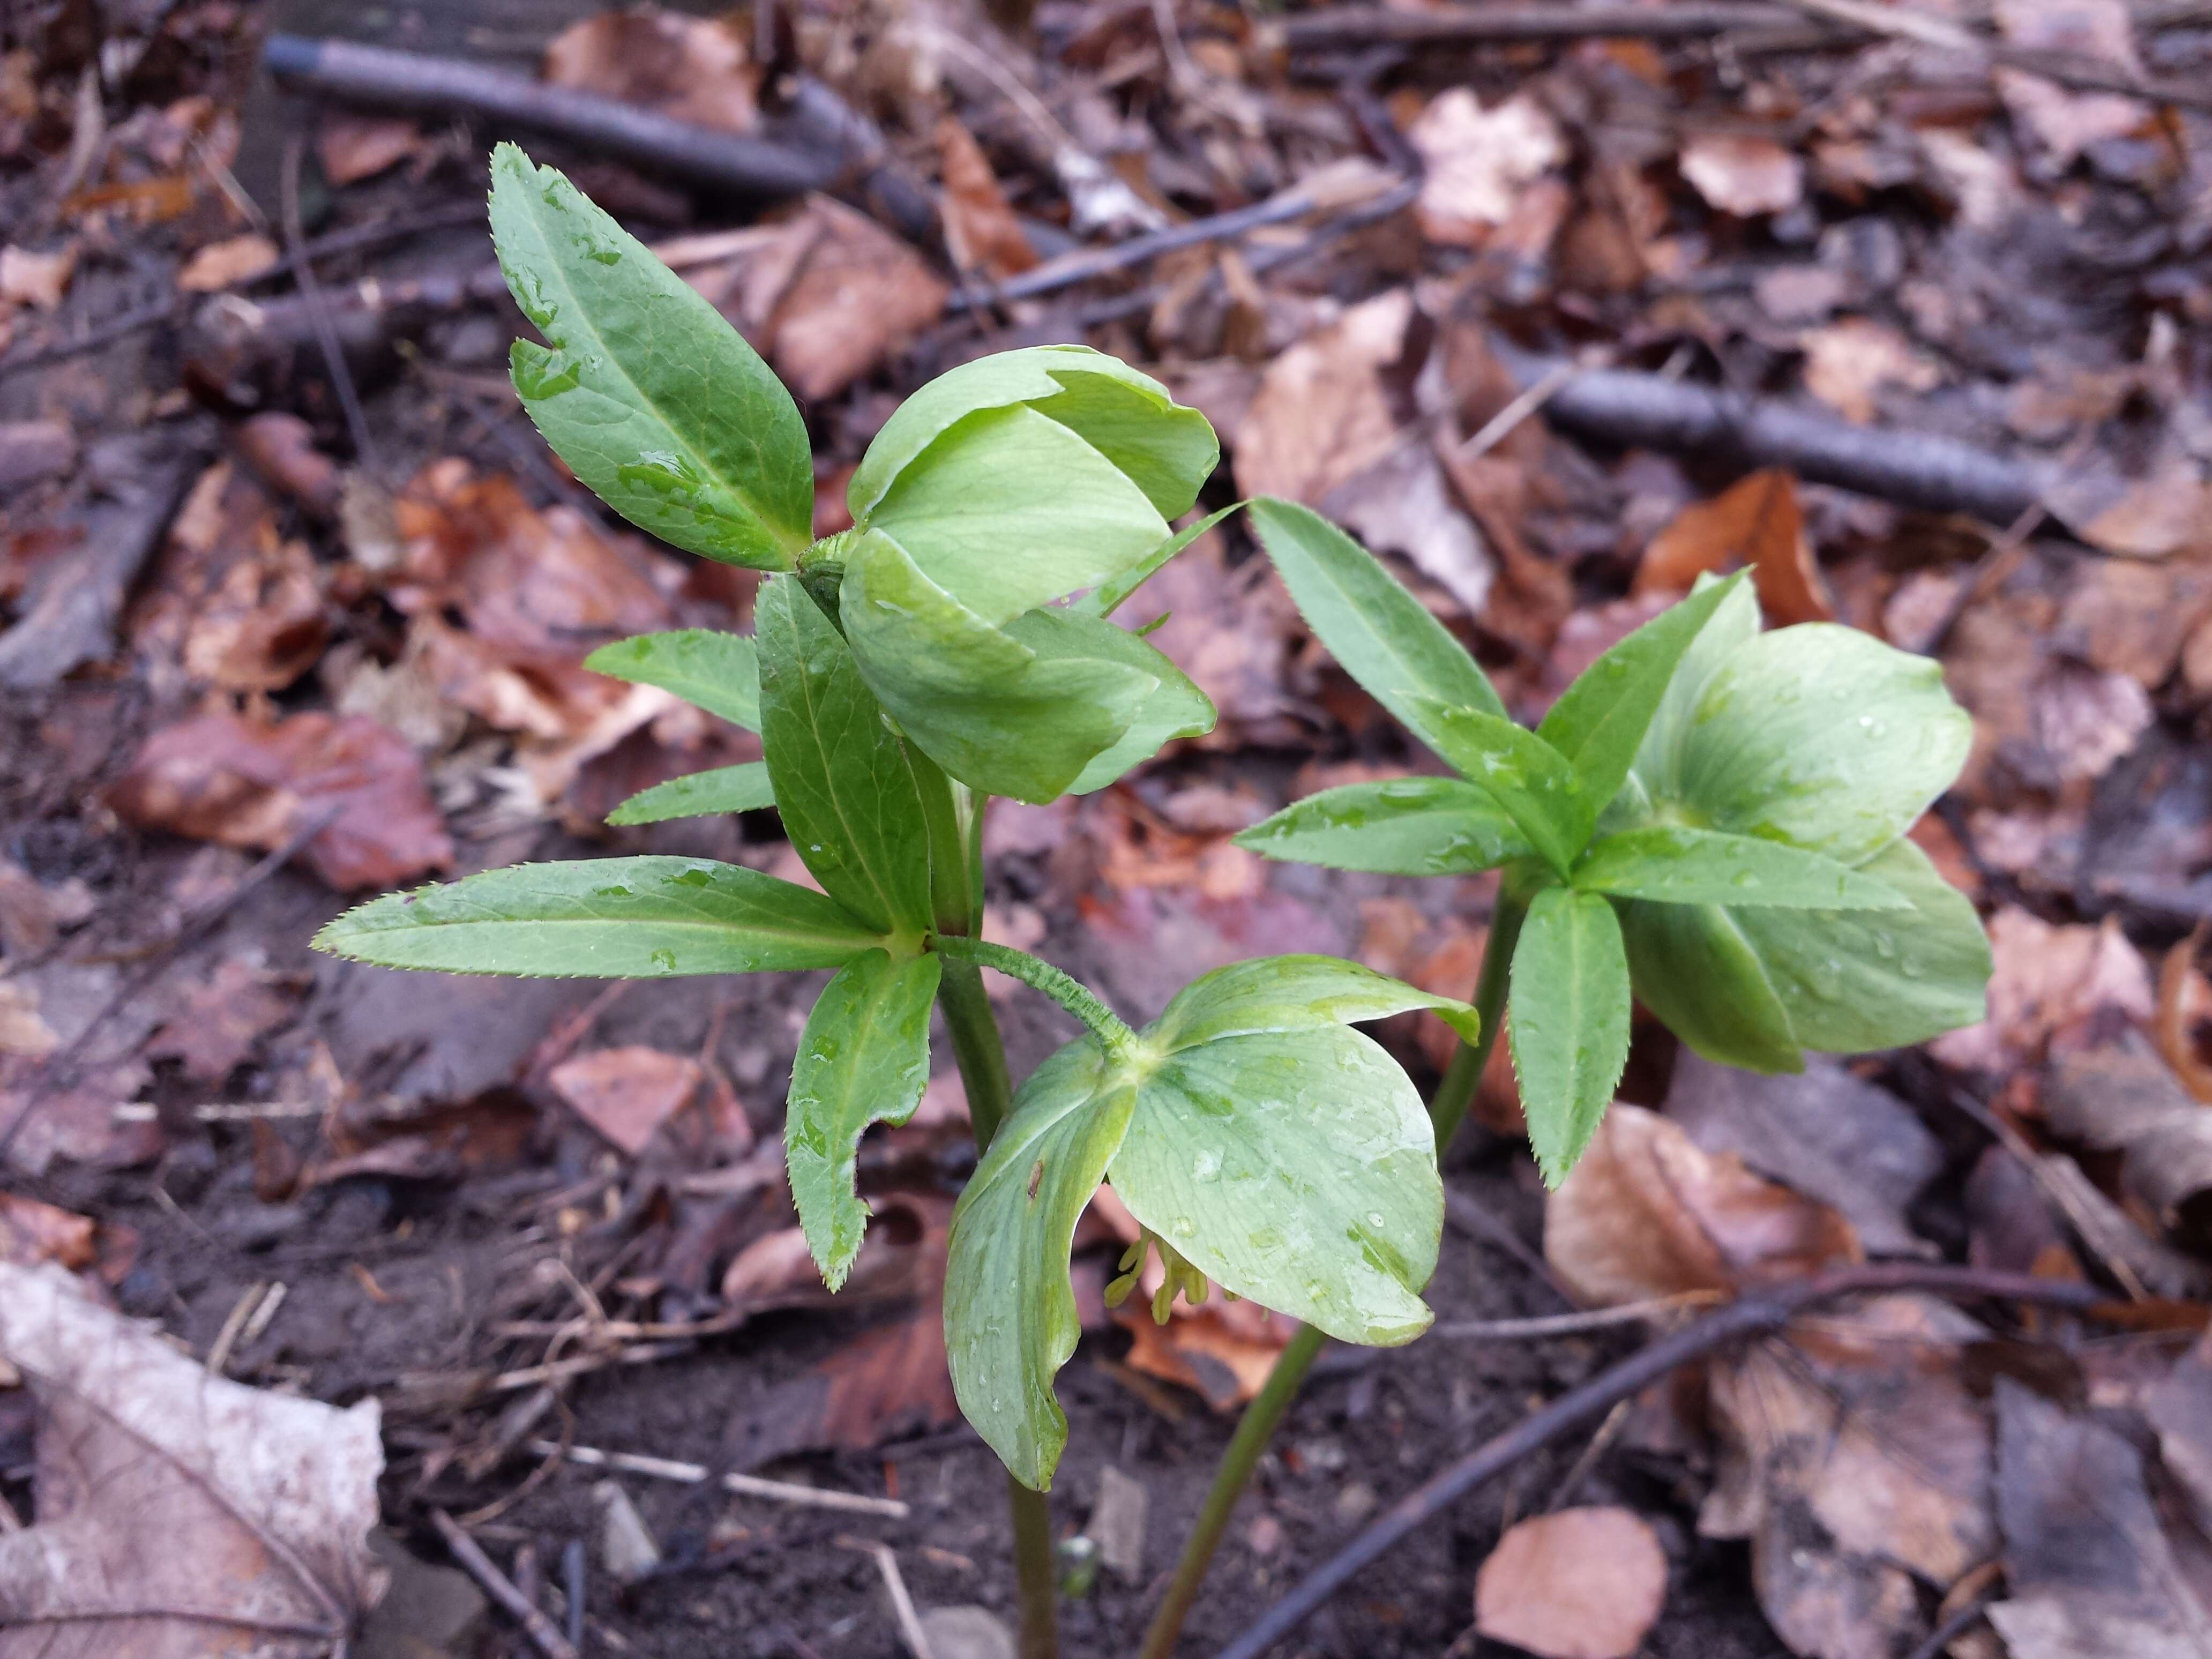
909 1622
1576 1324
542 1634
1960 1622
748 1485
1334 27
1759 1312
318 313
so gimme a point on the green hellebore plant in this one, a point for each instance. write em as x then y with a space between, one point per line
1710 819
900 674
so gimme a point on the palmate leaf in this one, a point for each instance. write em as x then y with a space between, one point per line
716 671
635 918
1599 721
654 400
1531 781
1569 1007
842 779
1383 636
1404 827
1281 1153
741 788
864 1059
1679 866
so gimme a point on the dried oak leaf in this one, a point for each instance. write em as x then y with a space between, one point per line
834 296
981 229
1648 1213
179 1514
220 265
627 1093
38 280
1757 522
2089 1566
1848 361
230 781
2062 122
1582 1584
2053 986
219 1020
1478 161
2122 1098
352 146
1324 411
1742 173
695 68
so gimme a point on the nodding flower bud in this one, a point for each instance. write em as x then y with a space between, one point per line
1014 481
1824 738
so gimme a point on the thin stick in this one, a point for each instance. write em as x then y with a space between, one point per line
1759 1312
547 1639
1960 1622
1345 26
1575 1324
225 1339
697 1475
909 1622
318 312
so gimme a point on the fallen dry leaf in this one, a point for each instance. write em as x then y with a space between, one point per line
2053 985
627 1094
352 146
2160 510
1582 1584
1648 1214
981 229
1855 1461
1824 1133
220 265
695 68
1478 161
2184 1010
34 279
230 781
1743 174
1757 522
179 1514
1402 504
220 1020
1230 629
2064 122
32 1232
1850 360
2088 1567
280 448
2122 1098
1323 413
2179 1406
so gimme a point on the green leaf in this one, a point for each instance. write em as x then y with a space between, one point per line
1529 779
716 671
1735 622
1822 736
1403 827
1109 596
842 783
1383 636
742 788
1677 865
1599 721
1569 1007
1295 1167
1174 708
1693 967
1292 994
653 399
638 918
864 1059
1166 448
1001 717
1010 1315
1856 983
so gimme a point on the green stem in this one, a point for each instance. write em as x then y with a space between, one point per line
1447 1109
1102 1023
980 1053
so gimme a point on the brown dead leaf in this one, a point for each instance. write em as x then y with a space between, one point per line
1478 161
229 780
627 1094
1648 1214
220 1020
1230 629
1855 1461
37 280
1582 1584
281 449
1757 522
981 229
2055 985
2179 1406
261 624
2064 122
695 68
1850 360
352 146
2184 1014
1402 504
2121 1098
2160 510
178 1513
32 1232
2088 1566
1743 174
1323 412
221 264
